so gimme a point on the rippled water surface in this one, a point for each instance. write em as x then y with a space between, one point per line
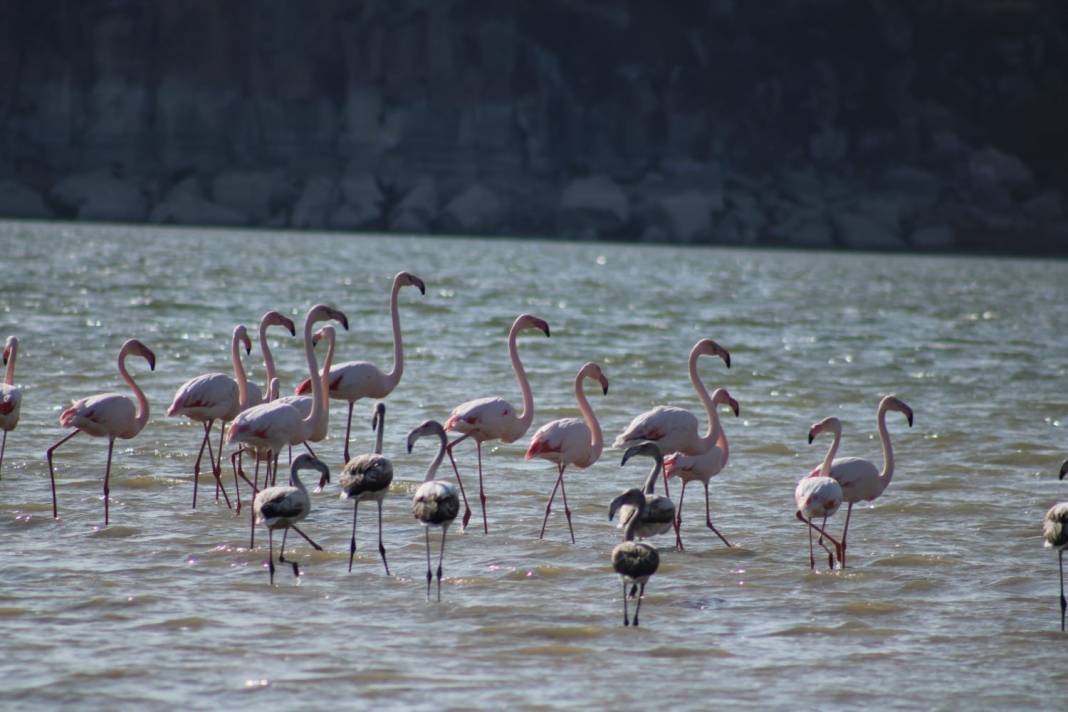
949 601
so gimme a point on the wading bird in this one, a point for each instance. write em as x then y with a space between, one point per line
354 380
861 481
819 496
634 561
570 441
702 468
657 513
494 418
108 415
366 478
10 396
282 507
435 503
1055 533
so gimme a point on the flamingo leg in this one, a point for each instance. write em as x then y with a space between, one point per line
310 451
823 533
348 430
235 463
811 552
429 575
481 492
666 493
352 541
1064 604
549 504
467 508
52 473
845 532
196 465
641 592
282 554
678 517
211 457
708 519
3 446
381 546
626 618
216 470
830 554
315 546
441 556
270 554
107 479
567 510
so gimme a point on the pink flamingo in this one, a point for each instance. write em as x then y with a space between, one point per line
860 479
1055 534
10 396
494 418
304 403
272 425
675 429
570 441
211 397
703 467
269 319
819 495
108 415
354 380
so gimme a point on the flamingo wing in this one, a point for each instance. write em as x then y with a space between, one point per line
10 403
210 396
104 415
669 426
365 473
859 478
280 503
488 417
436 503
564 440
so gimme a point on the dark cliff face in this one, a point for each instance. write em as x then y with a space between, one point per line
926 124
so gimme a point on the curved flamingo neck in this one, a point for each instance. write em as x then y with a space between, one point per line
239 370
268 357
318 396
527 416
294 480
714 429
9 374
650 481
596 437
328 362
432 471
888 452
395 373
825 468
142 402
723 445
380 434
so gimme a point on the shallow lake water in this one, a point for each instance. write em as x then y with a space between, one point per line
948 602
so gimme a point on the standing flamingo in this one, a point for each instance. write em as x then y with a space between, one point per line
675 429
818 495
10 396
860 479
272 425
367 477
1055 532
354 380
494 418
634 561
304 403
703 467
570 441
435 503
108 415
282 507
211 397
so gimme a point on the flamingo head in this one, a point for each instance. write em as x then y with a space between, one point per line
592 370
406 279
1064 469
9 346
708 347
241 334
895 403
273 318
721 396
649 448
305 461
830 424
427 427
322 312
529 321
634 497
327 332
136 348
378 417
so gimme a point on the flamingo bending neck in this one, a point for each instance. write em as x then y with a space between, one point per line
590 370
702 347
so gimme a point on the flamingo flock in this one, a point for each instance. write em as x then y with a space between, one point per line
260 424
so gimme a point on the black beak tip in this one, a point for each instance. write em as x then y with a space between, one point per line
811 437
605 389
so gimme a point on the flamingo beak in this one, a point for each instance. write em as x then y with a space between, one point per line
543 325
735 407
411 441
604 385
248 344
419 283
288 324
151 358
1064 469
6 355
812 434
908 413
339 316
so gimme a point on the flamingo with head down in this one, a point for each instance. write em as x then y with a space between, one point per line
570 441
675 429
10 396
108 415
702 468
354 380
494 418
